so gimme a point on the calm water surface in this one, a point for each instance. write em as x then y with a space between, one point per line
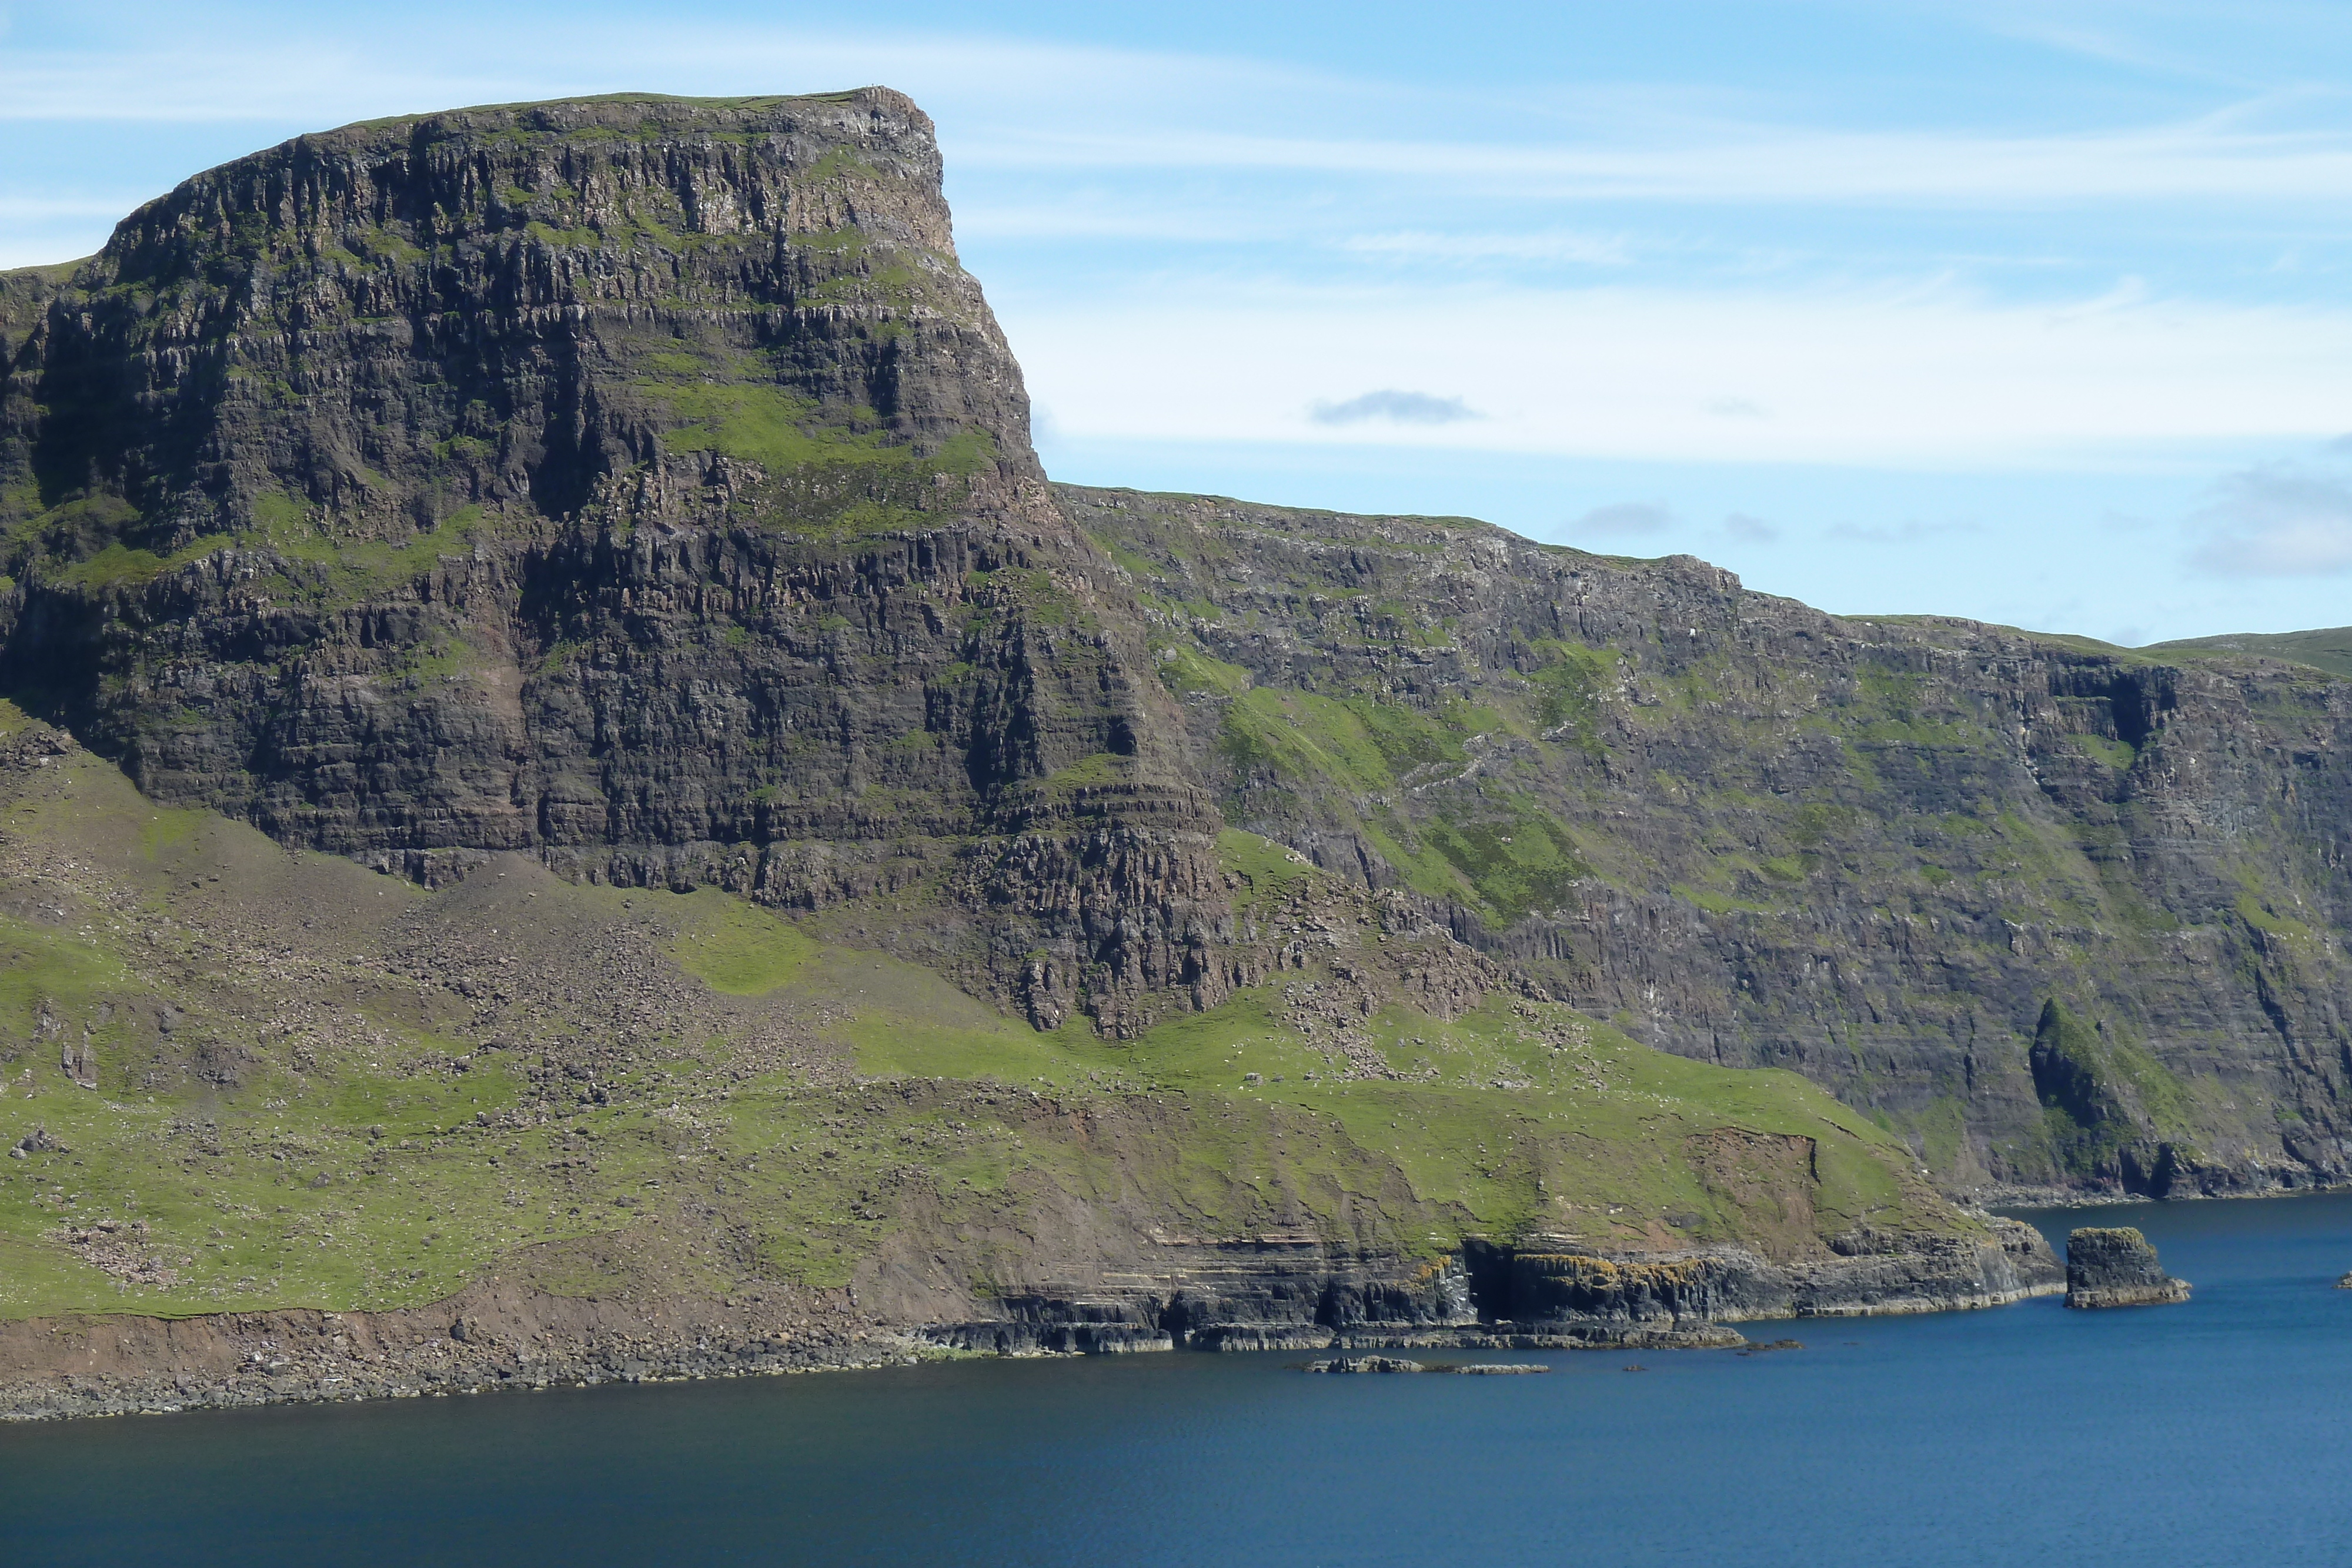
2206 1433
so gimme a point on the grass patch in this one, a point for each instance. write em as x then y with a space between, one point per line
1185 669
1520 857
1519 1116
783 432
738 948
2116 753
1718 902
1569 685
1272 871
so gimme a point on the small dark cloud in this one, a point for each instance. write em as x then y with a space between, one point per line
1749 531
1399 407
2280 519
1909 533
1624 517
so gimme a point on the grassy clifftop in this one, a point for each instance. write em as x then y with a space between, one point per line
2329 649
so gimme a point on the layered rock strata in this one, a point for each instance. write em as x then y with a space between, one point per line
638 483
1305 1296
2070 915
2117 1267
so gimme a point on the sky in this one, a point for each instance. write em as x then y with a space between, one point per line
2032 313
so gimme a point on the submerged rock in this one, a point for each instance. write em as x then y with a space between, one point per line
2117 1267
1395 1364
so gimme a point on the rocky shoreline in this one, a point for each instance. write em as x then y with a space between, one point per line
489 1337
1206 1297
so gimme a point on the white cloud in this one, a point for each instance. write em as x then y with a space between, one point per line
2279 520
1910 532
1745 164
1577 249
1010 104
16 209
1926 376
330 75
1083 219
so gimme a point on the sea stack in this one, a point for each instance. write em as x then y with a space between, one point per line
2117 1268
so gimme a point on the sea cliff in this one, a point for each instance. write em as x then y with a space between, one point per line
558 741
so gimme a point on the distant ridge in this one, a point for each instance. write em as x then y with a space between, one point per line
2329 649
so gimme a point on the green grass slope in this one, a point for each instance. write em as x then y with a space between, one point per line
239 1077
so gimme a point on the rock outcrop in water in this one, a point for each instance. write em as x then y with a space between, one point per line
2117 1267
1344 1365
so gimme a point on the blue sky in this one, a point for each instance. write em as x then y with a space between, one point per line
2035 313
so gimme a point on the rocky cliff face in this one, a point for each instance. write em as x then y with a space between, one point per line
639 482
2064 912
641 485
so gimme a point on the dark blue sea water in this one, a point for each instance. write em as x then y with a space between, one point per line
2216 1432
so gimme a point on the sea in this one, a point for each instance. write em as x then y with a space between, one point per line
2218 1431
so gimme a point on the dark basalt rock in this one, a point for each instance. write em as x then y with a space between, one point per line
1944 869
2117 1267
1869 1274
1557 1295
639 483
1360 1364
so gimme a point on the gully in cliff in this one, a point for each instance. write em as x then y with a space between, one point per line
2117 1269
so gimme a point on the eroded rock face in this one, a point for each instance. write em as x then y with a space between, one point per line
1866 1274
2027 896
640 483
1304 1294
2117 1267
